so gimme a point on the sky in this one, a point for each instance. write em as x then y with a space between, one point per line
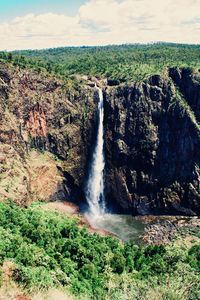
37 24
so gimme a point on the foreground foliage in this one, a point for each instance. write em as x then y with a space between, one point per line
125 62
47 250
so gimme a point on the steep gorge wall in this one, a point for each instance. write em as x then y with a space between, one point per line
152 144
152 139
43 113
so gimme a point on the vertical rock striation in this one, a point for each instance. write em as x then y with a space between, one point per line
43 113
152 141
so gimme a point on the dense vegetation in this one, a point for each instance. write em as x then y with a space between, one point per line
47 250
125 62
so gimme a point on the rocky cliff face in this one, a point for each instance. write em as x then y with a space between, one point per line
42 113
152 140
152 137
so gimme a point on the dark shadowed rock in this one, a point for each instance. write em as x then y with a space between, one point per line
152 139
113 82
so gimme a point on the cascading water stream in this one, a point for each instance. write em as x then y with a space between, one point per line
95 184
125 227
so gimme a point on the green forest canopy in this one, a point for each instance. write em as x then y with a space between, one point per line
48 249
123 62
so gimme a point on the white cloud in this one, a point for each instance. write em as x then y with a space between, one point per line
101 22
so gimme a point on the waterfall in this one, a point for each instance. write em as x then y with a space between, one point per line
95 184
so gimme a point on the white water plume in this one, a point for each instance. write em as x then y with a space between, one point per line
95 184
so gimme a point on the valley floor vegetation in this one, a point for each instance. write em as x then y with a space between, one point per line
47 249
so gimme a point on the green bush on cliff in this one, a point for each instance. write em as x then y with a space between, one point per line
194 257
50 250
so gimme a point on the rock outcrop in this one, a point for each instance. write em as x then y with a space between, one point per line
152 139
43 113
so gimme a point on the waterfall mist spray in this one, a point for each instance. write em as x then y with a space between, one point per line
95 184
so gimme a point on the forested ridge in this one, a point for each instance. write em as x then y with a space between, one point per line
124 62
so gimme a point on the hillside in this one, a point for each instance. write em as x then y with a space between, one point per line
125 62
42 251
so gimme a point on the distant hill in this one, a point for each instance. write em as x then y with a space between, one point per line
123 62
